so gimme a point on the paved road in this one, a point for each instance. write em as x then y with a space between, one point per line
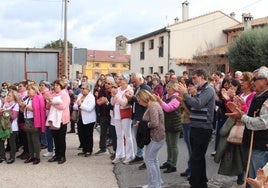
130 176
98 171
77 172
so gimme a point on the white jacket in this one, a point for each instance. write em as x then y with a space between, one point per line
87 108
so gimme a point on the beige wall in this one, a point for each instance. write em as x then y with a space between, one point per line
199 35
151 55
186 40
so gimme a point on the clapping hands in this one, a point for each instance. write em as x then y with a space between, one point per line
260 181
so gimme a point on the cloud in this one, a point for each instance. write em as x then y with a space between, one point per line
95 24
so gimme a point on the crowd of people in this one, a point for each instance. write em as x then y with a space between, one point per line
158 111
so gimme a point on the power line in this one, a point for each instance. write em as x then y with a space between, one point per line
249 5
212 20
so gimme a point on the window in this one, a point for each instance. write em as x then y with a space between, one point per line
161 69
113 65
151 44
151 70
121 43
142 70
142 53
124 65
161 47
97 64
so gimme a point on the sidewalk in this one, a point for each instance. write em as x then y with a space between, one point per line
76 172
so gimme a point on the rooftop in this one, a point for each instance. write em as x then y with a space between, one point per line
107 56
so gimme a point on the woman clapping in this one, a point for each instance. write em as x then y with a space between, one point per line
122 124
85 104
154 115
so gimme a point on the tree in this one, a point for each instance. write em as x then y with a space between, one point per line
250 50
58 44
208 59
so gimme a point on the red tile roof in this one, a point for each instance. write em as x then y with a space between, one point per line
254 23
107 56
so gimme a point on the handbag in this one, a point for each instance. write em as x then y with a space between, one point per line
236 134
29 126
75 115
126 113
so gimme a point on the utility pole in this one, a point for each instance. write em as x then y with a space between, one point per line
65 42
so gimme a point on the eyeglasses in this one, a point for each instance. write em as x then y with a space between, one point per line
114 86
257 78
83 88
108 83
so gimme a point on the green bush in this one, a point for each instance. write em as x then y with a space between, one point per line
250 50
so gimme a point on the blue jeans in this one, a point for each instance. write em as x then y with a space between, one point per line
43 138
186 136
152 163
49 140
135 129
199 139
258 160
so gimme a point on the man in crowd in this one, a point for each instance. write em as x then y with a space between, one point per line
103 101
74 92
138 111
201 107
256 120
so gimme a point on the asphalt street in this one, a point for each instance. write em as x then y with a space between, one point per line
98 171
129 176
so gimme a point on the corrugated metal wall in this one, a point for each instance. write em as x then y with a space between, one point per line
16 66
11 66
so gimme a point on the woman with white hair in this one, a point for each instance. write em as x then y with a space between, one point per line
85 104
122 118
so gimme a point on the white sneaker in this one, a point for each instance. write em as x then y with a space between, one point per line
116 160
126 161
48 154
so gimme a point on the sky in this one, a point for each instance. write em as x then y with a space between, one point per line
94 24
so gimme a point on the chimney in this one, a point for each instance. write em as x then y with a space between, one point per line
232 15
176 20
247 21
185 10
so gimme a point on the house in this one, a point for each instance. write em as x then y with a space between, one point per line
174 46
108 62
219 53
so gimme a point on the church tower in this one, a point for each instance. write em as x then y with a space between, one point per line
121 45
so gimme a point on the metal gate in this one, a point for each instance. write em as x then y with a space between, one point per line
34 64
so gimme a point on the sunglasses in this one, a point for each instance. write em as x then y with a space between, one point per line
257 78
